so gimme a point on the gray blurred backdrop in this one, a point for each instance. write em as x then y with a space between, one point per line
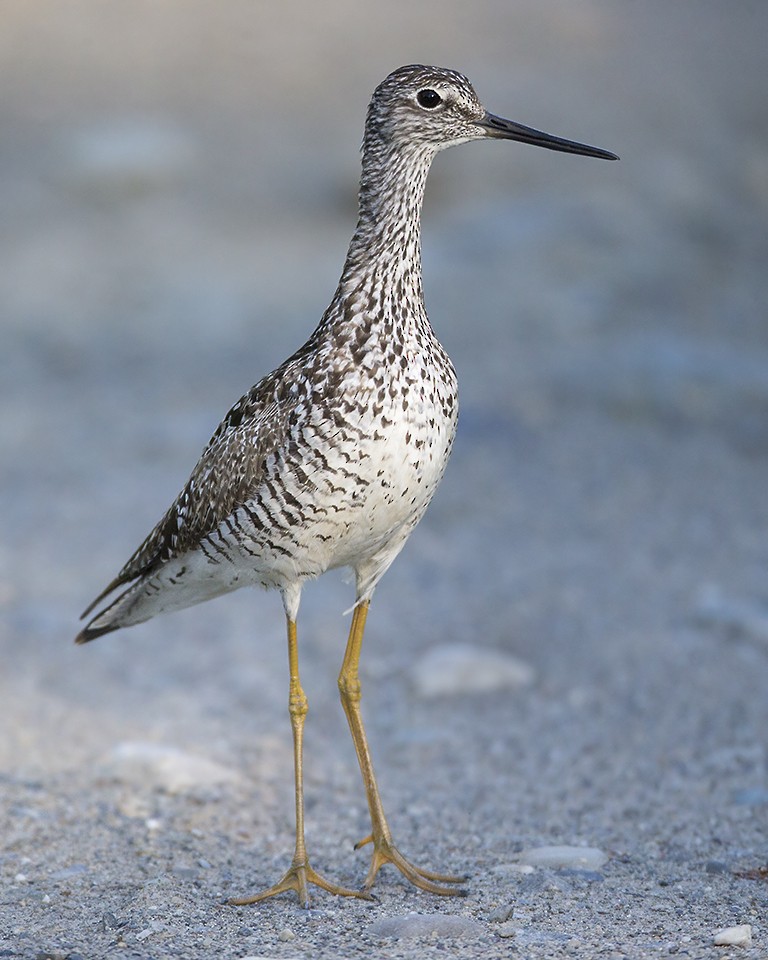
177 188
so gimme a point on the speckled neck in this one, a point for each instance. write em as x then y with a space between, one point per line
386 246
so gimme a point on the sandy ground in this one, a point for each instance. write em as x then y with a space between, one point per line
177 188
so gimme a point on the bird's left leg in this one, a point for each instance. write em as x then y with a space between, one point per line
384 849
300 873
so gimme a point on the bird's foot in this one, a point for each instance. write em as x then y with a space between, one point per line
384 851
298 877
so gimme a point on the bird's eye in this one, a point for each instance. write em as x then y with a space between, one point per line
429 99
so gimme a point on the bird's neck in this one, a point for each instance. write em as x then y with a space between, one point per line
385 250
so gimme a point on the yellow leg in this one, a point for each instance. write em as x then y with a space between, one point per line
384 850
300 874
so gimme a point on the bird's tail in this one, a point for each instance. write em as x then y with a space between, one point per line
91 632
115 615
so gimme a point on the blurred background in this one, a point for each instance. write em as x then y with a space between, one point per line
177 190
178 187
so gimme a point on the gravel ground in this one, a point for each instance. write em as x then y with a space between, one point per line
177 189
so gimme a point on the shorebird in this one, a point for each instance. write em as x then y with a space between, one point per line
331 460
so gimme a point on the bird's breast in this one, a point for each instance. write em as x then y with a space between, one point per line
406 428
368 459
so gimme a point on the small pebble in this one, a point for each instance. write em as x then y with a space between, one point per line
459 668
286 935
507 929
154 927
502 914
740 936
110 922
426 925
556 857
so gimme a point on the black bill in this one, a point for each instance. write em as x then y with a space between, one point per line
508 130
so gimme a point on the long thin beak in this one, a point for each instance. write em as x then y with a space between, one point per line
503 129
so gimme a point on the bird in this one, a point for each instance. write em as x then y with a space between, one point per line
332 459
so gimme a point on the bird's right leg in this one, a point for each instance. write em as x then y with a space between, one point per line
300 874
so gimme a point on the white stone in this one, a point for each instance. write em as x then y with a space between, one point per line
559 857
461 668
740 936
426 925
503 869
164 767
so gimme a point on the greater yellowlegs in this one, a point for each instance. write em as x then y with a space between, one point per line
332 459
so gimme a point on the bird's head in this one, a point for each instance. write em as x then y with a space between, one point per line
437 108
